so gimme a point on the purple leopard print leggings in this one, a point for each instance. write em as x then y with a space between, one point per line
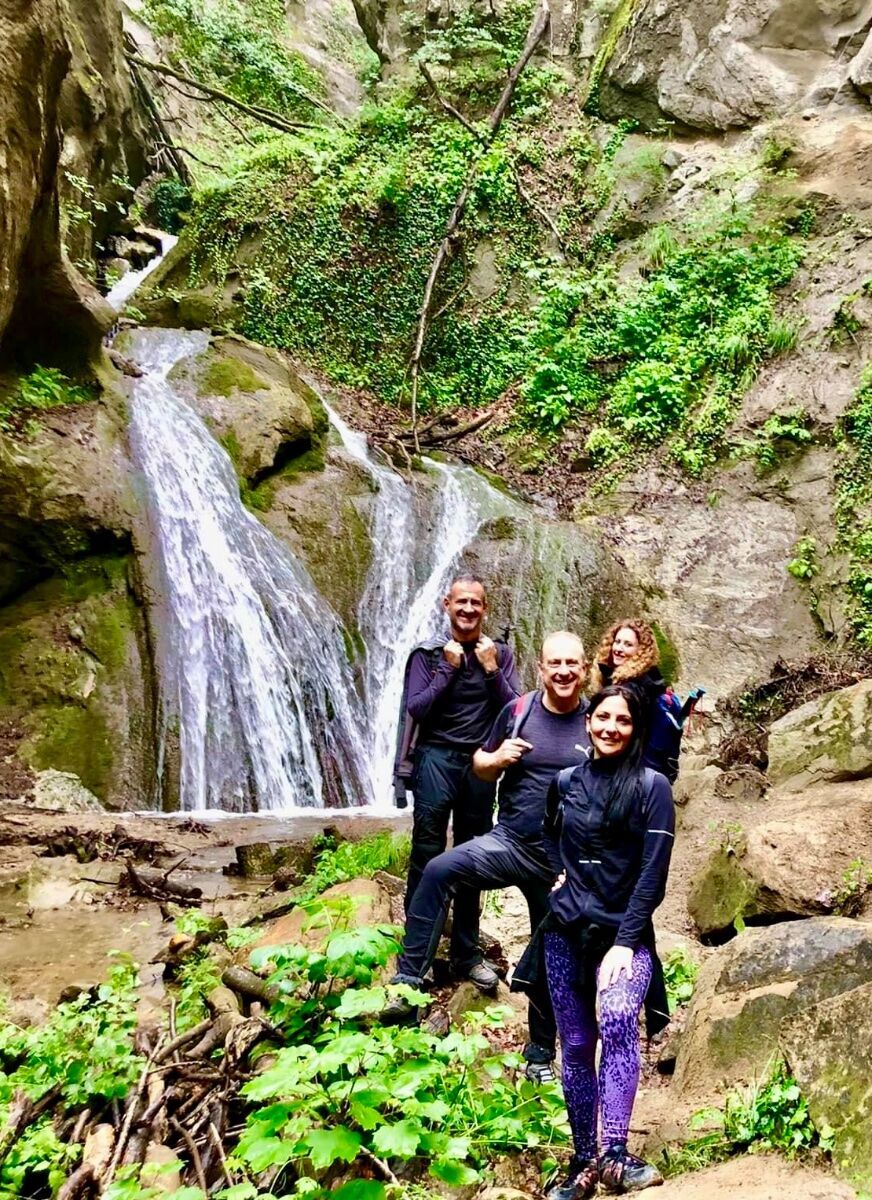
615 1090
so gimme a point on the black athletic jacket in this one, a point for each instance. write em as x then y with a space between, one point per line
615 878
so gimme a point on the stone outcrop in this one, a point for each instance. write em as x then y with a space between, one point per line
860 72
75 682
65 110
723 64
828 739
65 492
795 861
256 405
828 1048
746 996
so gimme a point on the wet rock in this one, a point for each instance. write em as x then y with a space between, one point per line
255 860
860 70
793 862
255 404
75 679
746 992
827 739
828 1048
63 792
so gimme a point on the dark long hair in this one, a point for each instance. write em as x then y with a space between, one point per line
625 785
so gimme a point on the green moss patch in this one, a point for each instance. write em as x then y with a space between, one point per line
224 376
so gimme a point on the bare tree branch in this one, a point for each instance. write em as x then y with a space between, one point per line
537 30
264 115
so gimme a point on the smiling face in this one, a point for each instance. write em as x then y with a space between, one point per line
625 645
466 606
561 670
610 727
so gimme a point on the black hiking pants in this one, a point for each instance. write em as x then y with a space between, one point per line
497 859
446 790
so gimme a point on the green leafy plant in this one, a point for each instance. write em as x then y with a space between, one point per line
336 863
782 434
345 1088
853 495
804 564
769 1116
83 1055
680 971
43 388
856 881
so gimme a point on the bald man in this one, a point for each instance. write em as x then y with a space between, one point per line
525 760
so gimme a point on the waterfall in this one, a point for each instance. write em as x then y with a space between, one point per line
394 614
254 680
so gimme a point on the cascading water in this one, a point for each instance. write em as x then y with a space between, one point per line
394 615
254 679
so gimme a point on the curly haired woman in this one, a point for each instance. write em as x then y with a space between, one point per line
628 654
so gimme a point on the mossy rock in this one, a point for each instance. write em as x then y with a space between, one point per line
828 739
828 1048
75 679
722 892
257 406
747 993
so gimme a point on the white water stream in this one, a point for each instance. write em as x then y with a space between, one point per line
258 704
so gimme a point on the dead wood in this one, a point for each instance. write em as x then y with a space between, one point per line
190 1035
241 980
536 32
83 1184
155 885
23 1112
265 115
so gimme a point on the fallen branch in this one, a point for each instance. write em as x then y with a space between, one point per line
540 212
265 115
155 885
190 1035
536 32
386 1172
23 1112
196 1162
82 1183
241 980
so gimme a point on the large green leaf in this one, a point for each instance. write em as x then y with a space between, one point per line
398 1141
327 1146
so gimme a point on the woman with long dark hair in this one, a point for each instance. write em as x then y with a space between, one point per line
609 827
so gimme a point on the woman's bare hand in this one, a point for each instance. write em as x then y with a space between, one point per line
559 881
617 962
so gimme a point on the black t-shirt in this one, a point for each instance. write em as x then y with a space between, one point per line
559 740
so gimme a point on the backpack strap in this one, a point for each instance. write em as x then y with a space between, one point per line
520 711
564 779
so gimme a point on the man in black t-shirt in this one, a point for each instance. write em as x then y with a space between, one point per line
526 759
454 697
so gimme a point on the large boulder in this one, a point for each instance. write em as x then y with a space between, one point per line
65 492
828 1048
254 402
860 71
348 905
796 861
722 64
760 980
828 739
76 688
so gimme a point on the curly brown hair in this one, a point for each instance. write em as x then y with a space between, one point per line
646 656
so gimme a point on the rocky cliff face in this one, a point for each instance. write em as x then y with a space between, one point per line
66 110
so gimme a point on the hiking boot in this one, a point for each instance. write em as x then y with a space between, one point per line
620 1171
398 1011
484 977
540 1072
580 1182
